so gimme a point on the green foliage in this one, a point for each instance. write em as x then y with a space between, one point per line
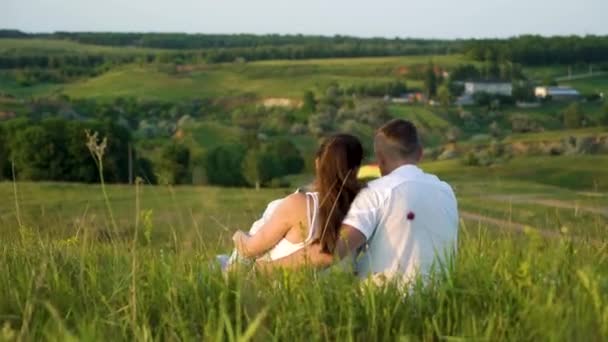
259 167
4 161
522 123
175 164
444 95
523 92
430 80
55 149
573 116
223 165
289 158
538 50
309 103
465 72
378 89
271 161
604 116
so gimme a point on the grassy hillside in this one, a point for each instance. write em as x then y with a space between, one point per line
221 81
557 135
69 275
575 172
431 125
596 84
286 79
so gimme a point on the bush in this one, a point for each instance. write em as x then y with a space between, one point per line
175 164
259 167
573 116
55 149
223 165
470 159
604 116
522 123
289 158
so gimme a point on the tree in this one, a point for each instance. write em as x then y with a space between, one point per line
309 103
491 67
259 167
573 116
289 157
430 80
175 164
604 117
34 155
223 165
444 95
3 154
321 123
523 91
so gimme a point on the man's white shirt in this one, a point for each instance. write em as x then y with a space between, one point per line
412 220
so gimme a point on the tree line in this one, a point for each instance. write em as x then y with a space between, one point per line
215 48
539 50
55 149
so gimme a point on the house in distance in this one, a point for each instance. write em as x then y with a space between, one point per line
489 87
472 88
557 93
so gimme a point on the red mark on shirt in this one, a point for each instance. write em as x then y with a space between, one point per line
411 216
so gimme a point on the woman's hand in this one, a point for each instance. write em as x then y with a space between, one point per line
240 239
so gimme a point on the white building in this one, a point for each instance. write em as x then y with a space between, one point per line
557 93
489 87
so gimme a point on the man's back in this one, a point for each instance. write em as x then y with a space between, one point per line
410 220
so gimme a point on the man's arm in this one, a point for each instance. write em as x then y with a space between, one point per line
349 243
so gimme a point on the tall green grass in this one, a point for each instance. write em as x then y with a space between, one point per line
64 280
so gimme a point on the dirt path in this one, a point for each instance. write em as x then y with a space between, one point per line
532 199
521 228
514 226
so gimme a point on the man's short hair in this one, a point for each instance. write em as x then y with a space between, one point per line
401 136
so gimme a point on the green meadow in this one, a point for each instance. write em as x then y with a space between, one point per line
531 265
266 79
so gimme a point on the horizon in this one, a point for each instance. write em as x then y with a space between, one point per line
433 19
304 34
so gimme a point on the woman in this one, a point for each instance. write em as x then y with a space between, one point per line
303 217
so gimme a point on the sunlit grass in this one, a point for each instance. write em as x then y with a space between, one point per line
63 278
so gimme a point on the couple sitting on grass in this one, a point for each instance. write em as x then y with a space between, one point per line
395 227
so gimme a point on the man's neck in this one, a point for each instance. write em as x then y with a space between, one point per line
399 164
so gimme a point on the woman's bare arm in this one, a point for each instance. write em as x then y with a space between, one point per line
349 243
284 217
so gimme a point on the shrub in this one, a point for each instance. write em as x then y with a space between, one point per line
573 116
175 164
470 159
223 165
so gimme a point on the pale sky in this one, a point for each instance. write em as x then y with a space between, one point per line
385 18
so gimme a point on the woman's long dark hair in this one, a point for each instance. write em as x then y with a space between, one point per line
338 160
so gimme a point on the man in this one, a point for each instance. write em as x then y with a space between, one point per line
406 221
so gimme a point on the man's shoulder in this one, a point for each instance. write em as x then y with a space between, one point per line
434 179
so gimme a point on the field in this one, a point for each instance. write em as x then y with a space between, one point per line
531 265
267 79
595 84
283 79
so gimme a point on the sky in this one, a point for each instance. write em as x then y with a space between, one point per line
369 18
